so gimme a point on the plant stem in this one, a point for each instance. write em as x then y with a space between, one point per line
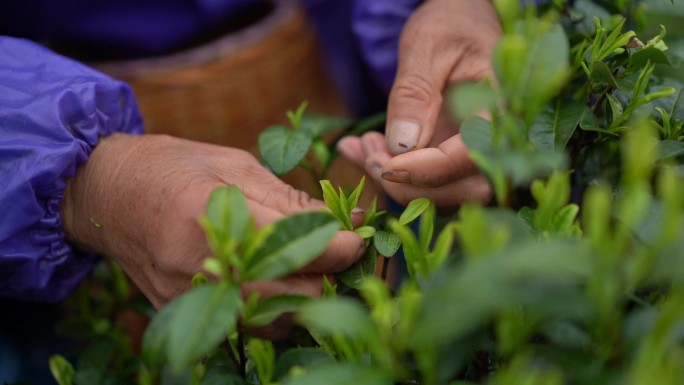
601 99
385 265
226 346
241 350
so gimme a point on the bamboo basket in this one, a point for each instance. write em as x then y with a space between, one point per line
229 90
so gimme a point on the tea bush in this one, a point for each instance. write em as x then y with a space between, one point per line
573 275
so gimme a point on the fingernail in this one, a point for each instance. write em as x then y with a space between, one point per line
397 176
403 136
358 210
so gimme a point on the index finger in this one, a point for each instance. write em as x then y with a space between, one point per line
345 248
432 166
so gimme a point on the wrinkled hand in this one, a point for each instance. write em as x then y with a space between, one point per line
146 194
422 155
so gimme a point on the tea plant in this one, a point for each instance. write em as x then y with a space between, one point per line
99 316
574 275
309 142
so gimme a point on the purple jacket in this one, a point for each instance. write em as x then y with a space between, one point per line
53 111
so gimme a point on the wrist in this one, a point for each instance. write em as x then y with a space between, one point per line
97 205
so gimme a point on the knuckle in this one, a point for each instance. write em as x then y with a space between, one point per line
295 200
298 199
416 87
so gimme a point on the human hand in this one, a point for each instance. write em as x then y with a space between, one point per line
138 200
443 43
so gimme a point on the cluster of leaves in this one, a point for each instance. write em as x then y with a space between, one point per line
575 275
309 142
100 318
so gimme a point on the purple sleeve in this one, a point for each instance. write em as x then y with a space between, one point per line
52 113
377 25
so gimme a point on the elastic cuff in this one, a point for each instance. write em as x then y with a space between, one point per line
53 112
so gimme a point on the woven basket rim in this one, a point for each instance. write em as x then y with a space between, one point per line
218 48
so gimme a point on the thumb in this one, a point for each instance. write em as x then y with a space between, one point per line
416 96
412 109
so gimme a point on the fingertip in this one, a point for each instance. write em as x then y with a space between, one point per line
357 215
373 142
351 148
375 164
344 249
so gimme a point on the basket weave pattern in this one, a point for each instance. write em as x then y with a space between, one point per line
226 92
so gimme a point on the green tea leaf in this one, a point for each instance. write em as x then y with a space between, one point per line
329 289
341 374
522 167
365 231
335 204
508 11
554 127
566 334
199 279
601 73
658 355
355 275
262 354
532 69
413 210
468 98
318 125
227 216
353 199
564 220
273 307
442 248
213 266
669 149
426 227
495 175
295 241
341 315
528 273
220 370
295 118
484 232
282 149
254 241
61 370
369 123
371 215
551 196
410 246
615 106
477 135
300 358
321 152
528 214
217 377
202 319
650 54
387 243
156 337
